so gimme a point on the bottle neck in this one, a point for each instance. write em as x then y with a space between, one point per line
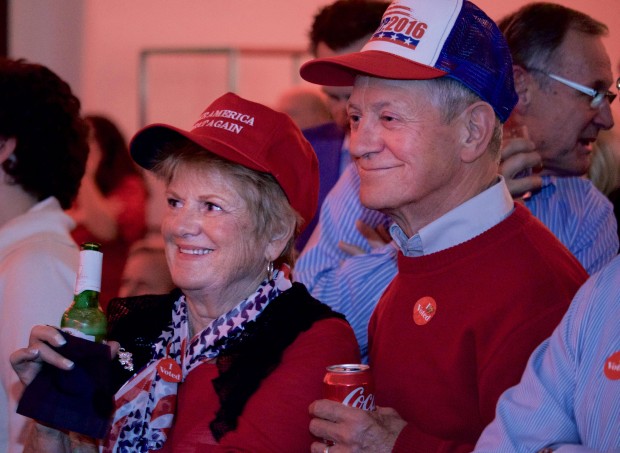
88 281
86 299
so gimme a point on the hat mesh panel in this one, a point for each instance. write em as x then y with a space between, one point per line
487 70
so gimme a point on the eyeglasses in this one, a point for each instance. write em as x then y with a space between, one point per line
597 96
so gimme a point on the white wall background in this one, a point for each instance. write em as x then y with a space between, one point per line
95 45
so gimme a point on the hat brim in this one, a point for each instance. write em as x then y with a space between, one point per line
342 70
146 146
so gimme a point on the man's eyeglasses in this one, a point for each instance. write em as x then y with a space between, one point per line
597 96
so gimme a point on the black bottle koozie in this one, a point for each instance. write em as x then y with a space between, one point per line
80 399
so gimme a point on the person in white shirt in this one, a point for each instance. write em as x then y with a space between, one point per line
43 152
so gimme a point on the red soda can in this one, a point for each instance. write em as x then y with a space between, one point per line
350 384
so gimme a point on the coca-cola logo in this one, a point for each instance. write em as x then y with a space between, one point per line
357 398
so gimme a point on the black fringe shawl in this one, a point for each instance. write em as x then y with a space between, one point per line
137 322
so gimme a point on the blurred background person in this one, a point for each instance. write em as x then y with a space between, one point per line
43 152
605 169
338 28
111 204
306 106
341 27
146 270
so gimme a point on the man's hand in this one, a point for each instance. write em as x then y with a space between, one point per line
518 156
376 237
353 430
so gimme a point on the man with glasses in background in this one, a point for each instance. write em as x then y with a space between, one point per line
562 76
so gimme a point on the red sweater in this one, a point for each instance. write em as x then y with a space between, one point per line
276 417
497 296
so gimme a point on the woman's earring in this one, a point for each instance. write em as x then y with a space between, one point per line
269 270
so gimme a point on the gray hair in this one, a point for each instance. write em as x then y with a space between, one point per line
536 31
452 97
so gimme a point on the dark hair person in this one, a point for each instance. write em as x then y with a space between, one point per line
247 346
40 112
43 152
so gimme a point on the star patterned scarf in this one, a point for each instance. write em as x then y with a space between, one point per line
146 404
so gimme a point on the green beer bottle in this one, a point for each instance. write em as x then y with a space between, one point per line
84 317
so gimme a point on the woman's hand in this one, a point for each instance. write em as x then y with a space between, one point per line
27 362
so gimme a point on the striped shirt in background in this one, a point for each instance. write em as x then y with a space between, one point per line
569 396
580 216
349 284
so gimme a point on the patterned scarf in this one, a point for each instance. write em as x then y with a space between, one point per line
145 405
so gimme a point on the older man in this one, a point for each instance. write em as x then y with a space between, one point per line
562 74
342 269
480 281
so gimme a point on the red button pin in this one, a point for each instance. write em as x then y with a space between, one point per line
169 370
424 310
612 366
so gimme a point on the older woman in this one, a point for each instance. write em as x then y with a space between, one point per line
239 351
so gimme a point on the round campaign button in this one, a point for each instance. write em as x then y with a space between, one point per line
612 366
169 370
424 310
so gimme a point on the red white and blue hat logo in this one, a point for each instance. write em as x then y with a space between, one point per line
416 33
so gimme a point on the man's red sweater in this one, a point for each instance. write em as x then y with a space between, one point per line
455 329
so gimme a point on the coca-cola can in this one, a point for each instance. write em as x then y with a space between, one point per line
350 384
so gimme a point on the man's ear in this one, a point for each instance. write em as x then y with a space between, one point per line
478 123
6 150
523 86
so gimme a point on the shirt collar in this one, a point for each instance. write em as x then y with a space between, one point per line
466 221
547 189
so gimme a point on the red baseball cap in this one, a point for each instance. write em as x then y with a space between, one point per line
249 134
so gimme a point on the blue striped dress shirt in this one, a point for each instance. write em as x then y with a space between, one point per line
569 396
349 284
580 216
